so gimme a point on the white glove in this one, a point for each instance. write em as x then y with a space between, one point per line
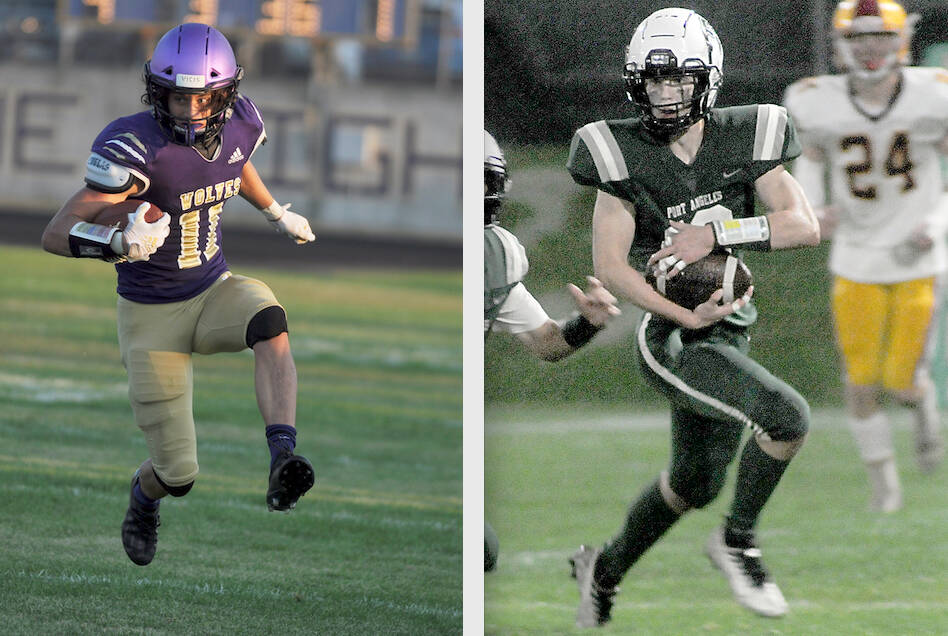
143 238
289 223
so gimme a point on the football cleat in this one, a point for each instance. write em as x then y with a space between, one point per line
595 602
139 529
750 582
290 478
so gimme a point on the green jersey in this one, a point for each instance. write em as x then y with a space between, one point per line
740 144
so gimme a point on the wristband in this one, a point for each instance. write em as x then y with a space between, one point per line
92 240
273 212
579 331
752 233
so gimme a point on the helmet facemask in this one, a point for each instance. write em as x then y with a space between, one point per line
653 89
870 55
189 130
495 190
496 180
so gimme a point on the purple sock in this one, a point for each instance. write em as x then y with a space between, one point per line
280 437
146 502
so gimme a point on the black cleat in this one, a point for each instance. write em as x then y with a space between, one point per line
139 530
290 478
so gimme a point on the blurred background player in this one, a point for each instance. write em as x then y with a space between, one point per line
510 307
188 154
676 182
878 130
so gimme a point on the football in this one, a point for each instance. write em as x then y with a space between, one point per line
695 284
117 215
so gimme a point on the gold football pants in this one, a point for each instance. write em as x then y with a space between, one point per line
882 330
156 342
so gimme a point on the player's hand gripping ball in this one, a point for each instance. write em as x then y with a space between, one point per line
144 228
696 282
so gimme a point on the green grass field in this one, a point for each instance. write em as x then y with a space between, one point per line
374 548
556 478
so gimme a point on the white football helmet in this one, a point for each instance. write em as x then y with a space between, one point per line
496 181
869 58
674 44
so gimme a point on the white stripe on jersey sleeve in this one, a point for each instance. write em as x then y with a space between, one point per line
770 133
605 151
127 148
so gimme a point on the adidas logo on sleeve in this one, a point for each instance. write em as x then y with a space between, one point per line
237 156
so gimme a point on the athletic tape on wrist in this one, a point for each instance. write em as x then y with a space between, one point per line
92 240
579 331
752 233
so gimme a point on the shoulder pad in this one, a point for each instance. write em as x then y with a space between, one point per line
107 176
505 260
804 84
595 156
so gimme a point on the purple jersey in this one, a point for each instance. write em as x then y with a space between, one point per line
189 187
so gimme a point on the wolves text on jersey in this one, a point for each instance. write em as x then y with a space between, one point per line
210 194
700 201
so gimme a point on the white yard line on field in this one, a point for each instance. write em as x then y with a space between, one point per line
529 419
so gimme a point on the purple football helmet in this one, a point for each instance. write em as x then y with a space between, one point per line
194 59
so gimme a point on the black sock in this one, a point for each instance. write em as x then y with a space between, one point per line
280 437
757 477
648 519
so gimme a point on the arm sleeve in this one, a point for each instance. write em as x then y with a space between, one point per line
520 312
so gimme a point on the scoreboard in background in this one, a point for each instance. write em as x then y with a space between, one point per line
383 21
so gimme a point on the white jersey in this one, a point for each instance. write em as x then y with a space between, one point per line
508 306
521 312
884 170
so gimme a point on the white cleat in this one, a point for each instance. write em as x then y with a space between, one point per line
595 603
750 582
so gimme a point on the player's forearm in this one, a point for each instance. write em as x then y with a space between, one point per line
791 220
624 281
78 208
546 342
796 226
252 188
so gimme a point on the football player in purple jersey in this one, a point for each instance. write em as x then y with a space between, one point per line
188 154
